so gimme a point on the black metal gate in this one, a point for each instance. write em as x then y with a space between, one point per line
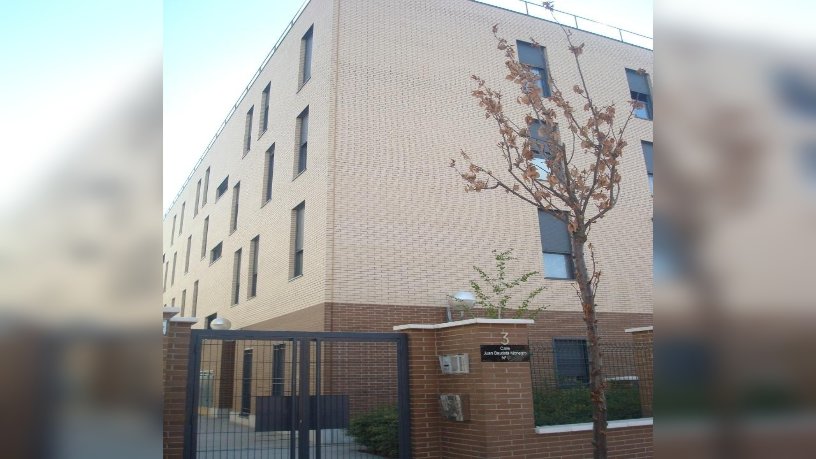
279 395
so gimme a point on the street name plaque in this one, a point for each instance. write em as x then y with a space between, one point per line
505 353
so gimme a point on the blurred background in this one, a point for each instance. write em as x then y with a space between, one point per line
81 207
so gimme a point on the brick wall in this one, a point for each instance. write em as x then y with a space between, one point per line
501 420
176 347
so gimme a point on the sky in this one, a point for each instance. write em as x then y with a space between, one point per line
60 65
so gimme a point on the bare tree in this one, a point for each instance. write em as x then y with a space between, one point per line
578 185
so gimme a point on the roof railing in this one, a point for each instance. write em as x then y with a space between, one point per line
537 10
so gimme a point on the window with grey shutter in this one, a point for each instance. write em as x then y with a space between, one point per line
647 156
639 91
303 141
534 57
306 55
555 246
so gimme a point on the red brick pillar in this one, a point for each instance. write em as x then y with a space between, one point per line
423 372
174 378
643 339
499 394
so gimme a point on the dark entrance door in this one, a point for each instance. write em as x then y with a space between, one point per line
246 384
298 394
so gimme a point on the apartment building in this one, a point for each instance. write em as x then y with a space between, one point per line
326 202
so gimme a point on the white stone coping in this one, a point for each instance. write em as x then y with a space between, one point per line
171 310
462 322
639 329
185 320
587 426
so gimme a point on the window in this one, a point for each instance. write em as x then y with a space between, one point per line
571 362
173 303
236 192
252 279
204 237
215 253
206 187
556 247
248 130
173 276
173 232
166 270
540 144
639 90
195 299
181 221
298 214
306 56
278 361
269 170
222 188
533 56
209 319
264 110
198 198
303 140
236 276
647 156
183 301
187 257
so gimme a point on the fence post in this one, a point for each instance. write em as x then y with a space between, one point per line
175 355
643 339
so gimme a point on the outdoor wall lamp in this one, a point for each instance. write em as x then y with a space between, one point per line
220 323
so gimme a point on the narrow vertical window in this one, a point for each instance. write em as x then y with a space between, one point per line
306 56
298 214
236 276
252 278
173 275
533 56
303 141
173 232
571 362
215 253
248 130
555 246
187 257
206 187
269 171
264 110
647 157
166 270
183 301
181 220
209 320
204 237
236 191
198 198
195 299
639 91
173 303
540 144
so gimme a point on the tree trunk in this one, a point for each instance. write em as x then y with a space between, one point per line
597 385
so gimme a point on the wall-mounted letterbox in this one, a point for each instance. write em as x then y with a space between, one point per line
455 407
454 364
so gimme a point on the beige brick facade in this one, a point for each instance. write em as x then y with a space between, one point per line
387 222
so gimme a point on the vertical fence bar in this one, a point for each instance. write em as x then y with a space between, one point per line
292 404
318 407
303 418
191 415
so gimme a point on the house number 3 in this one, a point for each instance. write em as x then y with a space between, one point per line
505 340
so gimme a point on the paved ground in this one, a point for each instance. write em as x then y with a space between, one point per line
218 438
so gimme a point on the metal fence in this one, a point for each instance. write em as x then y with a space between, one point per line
560 376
